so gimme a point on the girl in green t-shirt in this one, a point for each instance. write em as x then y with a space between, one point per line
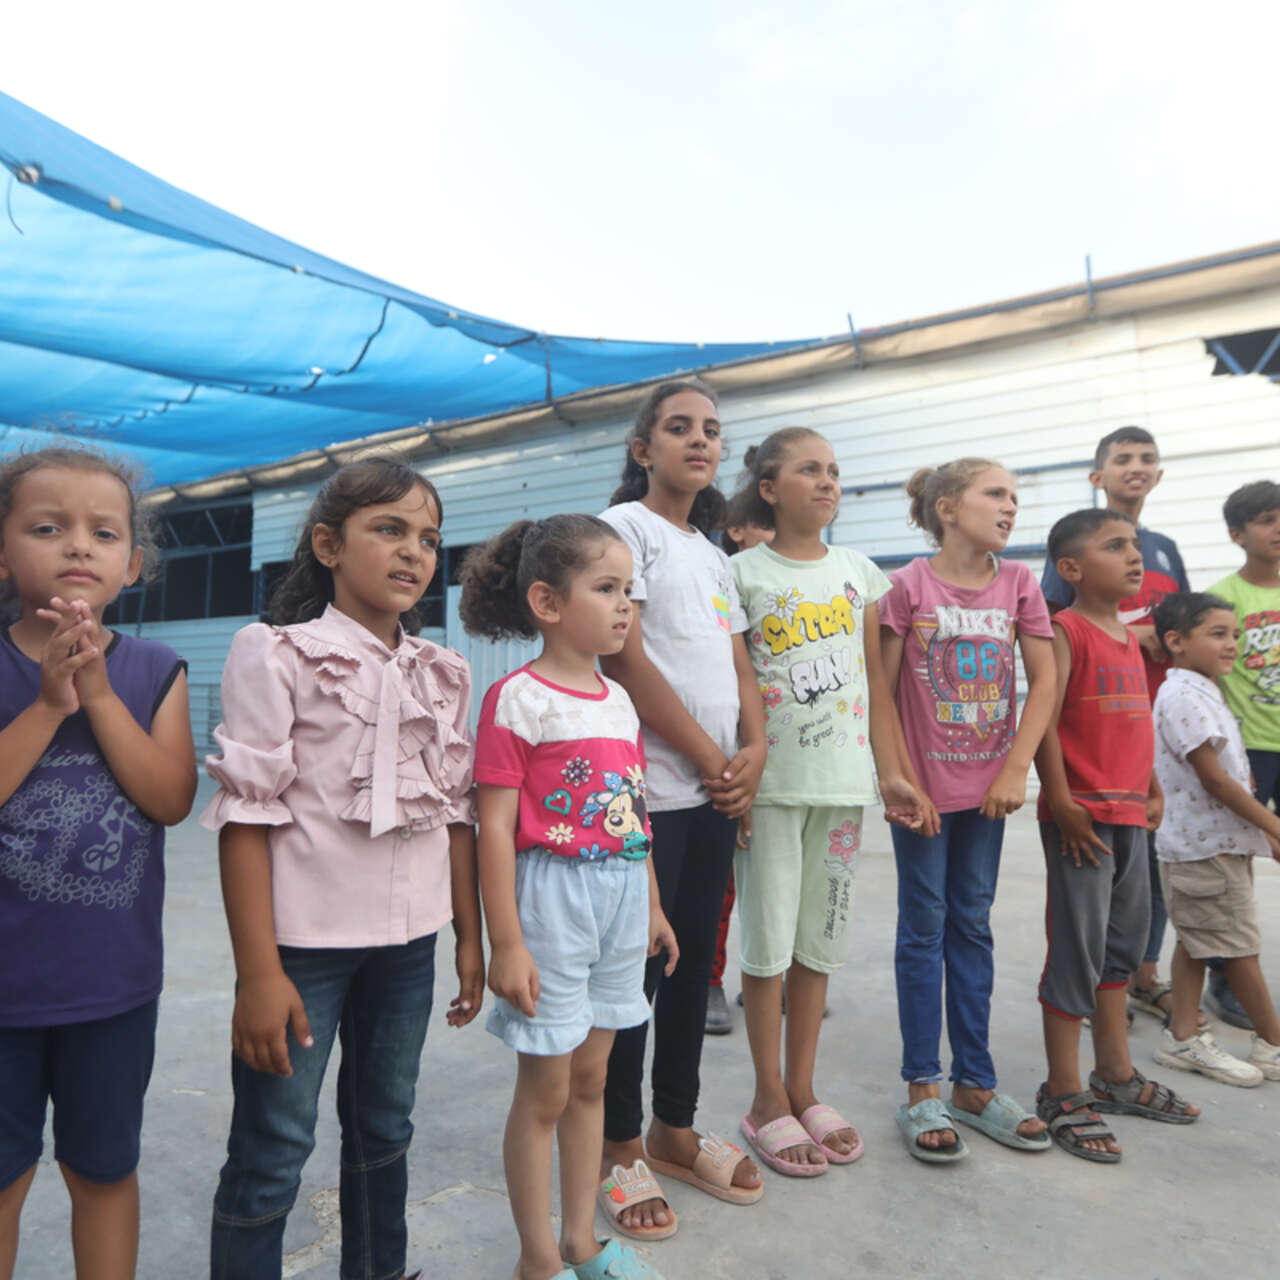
814 639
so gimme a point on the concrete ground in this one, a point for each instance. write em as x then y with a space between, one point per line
1186 1201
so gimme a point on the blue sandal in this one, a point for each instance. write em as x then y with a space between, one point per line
1000 1119
614 1262
930 1115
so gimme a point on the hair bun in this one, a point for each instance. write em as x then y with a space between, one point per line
748 458
919 478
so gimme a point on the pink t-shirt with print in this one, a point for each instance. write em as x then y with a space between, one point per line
956 691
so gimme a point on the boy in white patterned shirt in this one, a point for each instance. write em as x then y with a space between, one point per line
1212 830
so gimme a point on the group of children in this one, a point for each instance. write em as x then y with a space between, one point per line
691 717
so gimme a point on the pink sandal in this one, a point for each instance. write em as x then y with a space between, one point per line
778 1135
713 1170
625 1187
820 1122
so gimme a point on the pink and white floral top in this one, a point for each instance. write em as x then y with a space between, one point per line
357 757
576 760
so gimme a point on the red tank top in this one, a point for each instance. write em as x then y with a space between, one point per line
1108 746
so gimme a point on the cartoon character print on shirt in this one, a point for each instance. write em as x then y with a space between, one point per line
620 800
623 807
1260 655
100 840
968 664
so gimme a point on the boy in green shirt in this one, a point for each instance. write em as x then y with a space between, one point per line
1252 688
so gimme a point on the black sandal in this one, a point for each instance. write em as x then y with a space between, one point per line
1122 1099
1072 1122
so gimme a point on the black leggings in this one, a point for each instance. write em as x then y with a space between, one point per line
692 858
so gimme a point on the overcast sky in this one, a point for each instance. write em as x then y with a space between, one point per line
690 169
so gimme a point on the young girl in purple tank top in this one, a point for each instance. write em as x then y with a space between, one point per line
96 759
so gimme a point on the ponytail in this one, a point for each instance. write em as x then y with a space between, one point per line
761 462
496 577
929 485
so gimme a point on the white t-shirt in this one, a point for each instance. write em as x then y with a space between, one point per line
689 611
1190 711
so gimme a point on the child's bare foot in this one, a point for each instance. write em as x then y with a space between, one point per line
648 1214
938 1137
768 1107
974 1101
841 1141
680 1146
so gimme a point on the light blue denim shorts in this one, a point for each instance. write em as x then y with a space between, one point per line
586 925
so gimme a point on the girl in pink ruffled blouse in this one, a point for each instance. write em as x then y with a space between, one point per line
345 816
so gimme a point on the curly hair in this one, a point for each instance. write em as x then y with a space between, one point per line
707 512
17 466
307 588
496 576
930 484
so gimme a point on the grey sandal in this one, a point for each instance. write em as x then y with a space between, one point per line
1072 1122
1123 1099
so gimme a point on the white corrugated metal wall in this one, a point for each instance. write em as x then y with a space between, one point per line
1038 405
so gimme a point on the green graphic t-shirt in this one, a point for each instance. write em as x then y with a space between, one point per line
1252 687
805 637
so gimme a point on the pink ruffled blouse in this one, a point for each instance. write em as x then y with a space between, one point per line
357 757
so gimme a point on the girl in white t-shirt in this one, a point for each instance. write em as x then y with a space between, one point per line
695 692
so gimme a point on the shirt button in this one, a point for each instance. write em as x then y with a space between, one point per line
406 833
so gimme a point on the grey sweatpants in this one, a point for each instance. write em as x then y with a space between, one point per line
1096 918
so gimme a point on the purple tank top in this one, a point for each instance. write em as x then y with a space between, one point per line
81 867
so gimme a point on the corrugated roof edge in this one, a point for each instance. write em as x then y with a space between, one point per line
1106 297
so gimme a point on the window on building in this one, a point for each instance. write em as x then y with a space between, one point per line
203 571
1257 351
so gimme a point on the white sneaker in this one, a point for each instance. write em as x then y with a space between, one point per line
1201 1053
1266 1057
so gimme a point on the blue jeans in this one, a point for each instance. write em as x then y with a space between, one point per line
377 1000
946 885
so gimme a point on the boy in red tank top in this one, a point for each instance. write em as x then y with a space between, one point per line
1098 798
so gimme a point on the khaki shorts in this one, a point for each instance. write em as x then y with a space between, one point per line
1210 903
795 887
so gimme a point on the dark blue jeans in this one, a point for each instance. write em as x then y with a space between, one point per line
377 1000
946 885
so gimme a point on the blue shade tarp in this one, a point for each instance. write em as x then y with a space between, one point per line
140 318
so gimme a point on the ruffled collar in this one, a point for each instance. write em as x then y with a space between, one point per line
410 765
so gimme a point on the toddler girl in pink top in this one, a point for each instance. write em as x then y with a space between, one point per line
346 841
570 895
